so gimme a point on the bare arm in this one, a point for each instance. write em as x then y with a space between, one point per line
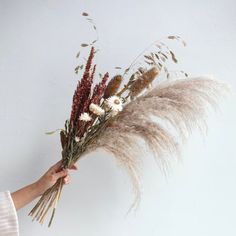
28 193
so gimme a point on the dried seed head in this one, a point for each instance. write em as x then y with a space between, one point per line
113 86
143 82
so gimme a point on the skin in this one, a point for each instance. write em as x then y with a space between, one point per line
30 192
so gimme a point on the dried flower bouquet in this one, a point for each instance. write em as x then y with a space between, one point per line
105 116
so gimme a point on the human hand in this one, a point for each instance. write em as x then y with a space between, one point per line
51 177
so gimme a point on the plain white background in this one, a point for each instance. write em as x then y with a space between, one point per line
38 44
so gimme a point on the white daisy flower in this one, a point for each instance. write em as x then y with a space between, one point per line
85 117
77 139
95 109
114 103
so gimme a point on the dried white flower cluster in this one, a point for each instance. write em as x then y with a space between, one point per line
95 109
114 105
85 117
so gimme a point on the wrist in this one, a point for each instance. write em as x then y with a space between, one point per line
36 189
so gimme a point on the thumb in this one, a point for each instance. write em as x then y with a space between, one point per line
61 173
73 167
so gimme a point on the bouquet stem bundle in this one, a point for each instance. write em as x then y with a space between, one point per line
48 200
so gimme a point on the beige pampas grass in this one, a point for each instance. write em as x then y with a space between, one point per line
182 104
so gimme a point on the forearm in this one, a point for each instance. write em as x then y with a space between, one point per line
25 195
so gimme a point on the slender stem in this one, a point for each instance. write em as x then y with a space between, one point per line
56 201
49 206
126 87
141 53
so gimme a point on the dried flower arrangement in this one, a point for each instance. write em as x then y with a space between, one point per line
114 119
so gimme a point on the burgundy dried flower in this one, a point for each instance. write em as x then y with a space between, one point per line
99 90
97 95
81 126
82 91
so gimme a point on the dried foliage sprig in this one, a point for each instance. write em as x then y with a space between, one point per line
116 120
158 56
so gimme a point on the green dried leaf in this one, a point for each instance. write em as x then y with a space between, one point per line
164 55
127 70
173 57
132 78
171 37
183 72
184 43
152 55
66 125
157 56
79 67
84 45
149 58
141 70
52 132
159 46
77 55
159 64
165 69
163 59
149 63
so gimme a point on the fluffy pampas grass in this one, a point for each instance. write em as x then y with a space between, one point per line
162 117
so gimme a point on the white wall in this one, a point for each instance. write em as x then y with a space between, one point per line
38 43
